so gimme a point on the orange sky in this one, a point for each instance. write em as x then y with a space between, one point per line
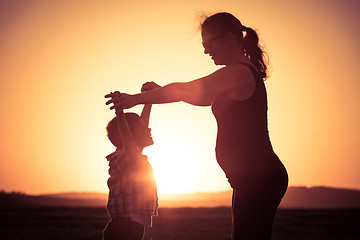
58 60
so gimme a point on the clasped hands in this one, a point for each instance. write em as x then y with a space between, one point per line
122 101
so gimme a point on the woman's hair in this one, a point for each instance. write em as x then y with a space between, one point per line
226 22
113 132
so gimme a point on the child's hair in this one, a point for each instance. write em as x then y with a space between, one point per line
113 132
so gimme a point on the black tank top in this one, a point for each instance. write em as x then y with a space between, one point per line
243 143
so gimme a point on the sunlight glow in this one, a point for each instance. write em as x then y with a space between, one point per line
175 171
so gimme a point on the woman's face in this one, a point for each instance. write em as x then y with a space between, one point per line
214 43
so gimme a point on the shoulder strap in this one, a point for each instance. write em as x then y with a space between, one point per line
252 68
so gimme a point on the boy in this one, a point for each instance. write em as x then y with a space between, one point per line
132 188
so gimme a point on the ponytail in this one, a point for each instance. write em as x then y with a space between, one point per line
254 51
226 22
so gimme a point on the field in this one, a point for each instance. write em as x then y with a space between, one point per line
81 223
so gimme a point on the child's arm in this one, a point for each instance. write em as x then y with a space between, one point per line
145 113
125 134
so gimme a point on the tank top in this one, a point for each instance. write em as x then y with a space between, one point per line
243 145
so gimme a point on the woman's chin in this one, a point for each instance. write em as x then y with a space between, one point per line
217 62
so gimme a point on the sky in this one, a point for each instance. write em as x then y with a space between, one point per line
59 58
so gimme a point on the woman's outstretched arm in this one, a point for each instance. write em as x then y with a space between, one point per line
238 81
148 86
201 102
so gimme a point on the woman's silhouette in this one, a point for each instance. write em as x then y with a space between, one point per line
237 96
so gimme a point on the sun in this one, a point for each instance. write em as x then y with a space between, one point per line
175 171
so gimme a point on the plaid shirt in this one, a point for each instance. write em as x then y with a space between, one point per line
132 187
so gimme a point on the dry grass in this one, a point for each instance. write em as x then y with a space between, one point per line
68 223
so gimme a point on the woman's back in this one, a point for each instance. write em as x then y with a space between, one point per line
243 139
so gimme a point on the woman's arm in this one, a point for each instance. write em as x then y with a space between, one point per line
201 102
237 80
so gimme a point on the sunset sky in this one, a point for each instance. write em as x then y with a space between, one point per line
59 58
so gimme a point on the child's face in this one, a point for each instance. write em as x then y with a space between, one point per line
142 135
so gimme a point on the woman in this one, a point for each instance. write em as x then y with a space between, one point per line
237 96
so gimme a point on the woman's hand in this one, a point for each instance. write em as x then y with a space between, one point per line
121 101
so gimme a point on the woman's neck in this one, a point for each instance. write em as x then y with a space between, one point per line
238 58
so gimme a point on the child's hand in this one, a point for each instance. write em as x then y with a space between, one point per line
121 101
148 86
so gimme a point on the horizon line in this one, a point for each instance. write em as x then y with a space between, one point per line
162 194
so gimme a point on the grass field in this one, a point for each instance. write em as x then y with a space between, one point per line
67 223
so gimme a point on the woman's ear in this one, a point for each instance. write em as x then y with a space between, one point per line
231 39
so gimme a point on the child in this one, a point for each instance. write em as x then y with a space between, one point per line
132 188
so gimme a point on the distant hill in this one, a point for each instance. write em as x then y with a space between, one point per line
78 195
295 197
320 197
21 200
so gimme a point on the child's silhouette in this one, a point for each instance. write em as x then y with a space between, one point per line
132 188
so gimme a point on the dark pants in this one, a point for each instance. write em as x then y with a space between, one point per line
123 229
254 204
